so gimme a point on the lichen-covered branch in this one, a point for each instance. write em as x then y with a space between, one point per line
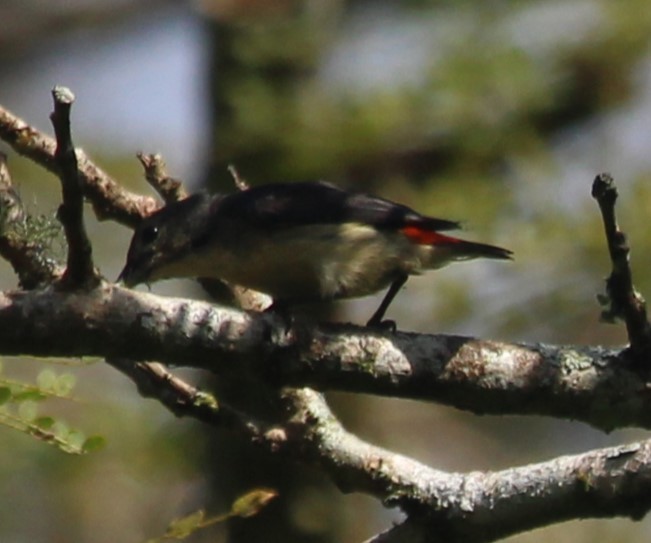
450 507
27 257
591 384
477 506
488 506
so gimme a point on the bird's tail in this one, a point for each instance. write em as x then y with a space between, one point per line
457 249
471 249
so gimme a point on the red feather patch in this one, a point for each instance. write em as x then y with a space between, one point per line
427 237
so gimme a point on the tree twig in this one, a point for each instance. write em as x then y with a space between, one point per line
80 270
623 300
155 381
240 183
168 188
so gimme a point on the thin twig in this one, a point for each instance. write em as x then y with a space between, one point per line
11 207
80 270
155 381
181 398
240 183
623 300
169 189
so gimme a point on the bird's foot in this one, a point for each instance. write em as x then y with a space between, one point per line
382 325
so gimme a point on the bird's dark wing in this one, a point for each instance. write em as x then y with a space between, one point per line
284 205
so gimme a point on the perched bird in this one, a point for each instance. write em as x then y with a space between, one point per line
297 242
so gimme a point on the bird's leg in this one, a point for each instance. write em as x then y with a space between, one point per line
376 320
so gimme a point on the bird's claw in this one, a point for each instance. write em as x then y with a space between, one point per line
383 325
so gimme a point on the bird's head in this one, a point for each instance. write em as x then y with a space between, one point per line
162 241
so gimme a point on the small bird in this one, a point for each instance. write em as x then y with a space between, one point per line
297 242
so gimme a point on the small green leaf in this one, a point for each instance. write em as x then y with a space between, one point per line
252 502
60 430
28 410
65 383
93 443
45 423
5 395
76 439
46 379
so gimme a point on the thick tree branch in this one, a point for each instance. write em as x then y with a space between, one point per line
117 322
450 507
590 384
478 506
623 300
482 376
483 507
109 199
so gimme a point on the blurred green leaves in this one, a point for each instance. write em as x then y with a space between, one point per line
495 79
20 409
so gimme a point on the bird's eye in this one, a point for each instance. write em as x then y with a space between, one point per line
149 234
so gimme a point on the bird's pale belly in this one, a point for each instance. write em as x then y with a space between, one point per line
313 262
